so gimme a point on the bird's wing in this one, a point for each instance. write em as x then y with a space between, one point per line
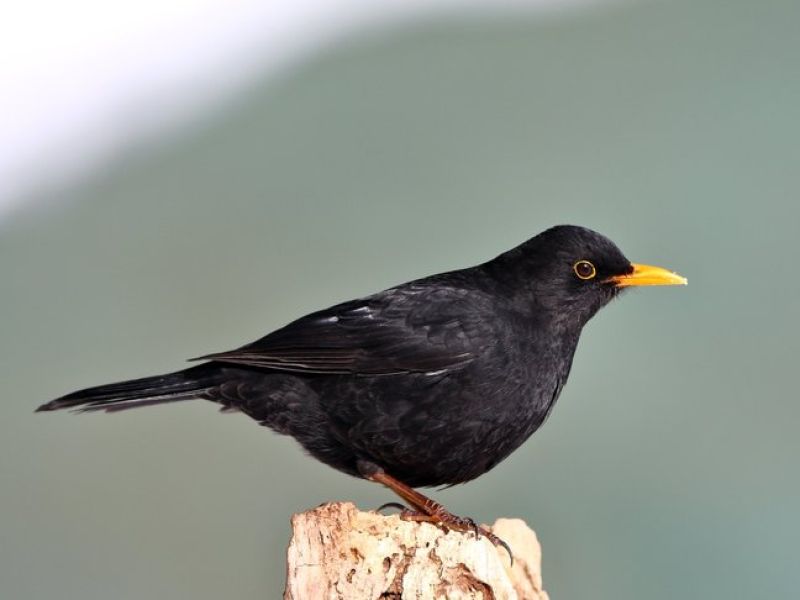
412 328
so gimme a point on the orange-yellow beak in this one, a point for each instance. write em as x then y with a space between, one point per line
647 275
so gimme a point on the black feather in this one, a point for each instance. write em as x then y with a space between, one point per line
183 385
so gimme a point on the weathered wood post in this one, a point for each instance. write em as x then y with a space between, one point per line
338 552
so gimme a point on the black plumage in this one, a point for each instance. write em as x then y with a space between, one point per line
432 382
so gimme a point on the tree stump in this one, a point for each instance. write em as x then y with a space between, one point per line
338 552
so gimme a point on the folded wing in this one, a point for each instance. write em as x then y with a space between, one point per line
413 328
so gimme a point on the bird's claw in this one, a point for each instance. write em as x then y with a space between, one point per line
479 531
452 522
499 542
401 507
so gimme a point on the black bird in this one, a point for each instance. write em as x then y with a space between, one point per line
429 383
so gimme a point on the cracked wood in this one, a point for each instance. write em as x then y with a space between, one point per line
338 552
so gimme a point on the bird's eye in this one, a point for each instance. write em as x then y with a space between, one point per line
584 269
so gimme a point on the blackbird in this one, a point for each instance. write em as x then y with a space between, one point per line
429 383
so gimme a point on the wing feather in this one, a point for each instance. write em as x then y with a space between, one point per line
413 328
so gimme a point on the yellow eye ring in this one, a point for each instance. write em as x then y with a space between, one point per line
584 269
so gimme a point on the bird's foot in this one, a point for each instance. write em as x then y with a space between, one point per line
448 521
426 509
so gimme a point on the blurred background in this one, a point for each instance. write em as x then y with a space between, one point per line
183 179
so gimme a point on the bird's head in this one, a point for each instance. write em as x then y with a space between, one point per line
571 272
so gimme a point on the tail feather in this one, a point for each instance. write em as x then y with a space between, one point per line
147 391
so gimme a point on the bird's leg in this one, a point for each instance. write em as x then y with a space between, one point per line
427 509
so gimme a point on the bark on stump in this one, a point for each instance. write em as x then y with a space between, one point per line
338 552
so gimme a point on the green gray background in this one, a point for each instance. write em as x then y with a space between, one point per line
669 467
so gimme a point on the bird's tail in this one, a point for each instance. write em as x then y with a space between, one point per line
182 385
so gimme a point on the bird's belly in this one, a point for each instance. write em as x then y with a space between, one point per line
436 429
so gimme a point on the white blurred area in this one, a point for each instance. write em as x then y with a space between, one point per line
81 80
